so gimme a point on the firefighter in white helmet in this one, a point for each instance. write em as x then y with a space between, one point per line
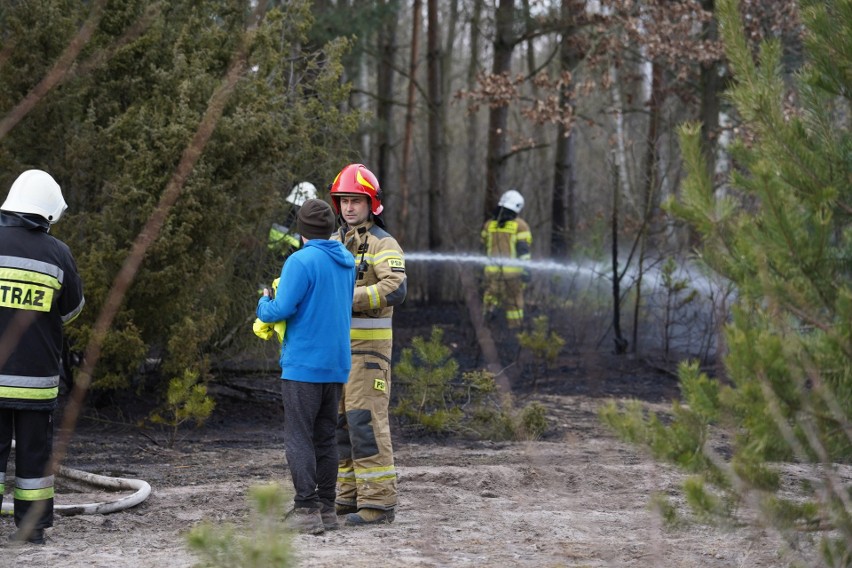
507 240
366 482
282 240
40 292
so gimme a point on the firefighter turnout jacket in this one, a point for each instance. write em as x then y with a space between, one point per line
40 291
366 473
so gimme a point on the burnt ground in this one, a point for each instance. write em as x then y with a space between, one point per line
576 497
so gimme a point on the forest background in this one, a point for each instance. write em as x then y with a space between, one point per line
176 129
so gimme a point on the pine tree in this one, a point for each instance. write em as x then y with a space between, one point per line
116 127
782 234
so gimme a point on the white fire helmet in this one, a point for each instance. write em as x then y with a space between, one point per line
512 200
302 192
35 191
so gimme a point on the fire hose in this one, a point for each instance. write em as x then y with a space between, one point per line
141 492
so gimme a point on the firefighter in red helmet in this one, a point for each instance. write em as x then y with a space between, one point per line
366 483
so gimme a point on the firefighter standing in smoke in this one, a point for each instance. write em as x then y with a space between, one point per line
507 236
40 292
366 484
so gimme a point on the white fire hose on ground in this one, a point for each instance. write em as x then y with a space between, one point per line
141 492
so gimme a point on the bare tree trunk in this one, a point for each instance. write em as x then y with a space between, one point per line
437 181
531 65
620 342
563 206
620 138
449 142
409 121
498 117
472 174
651 205
384 89
711 85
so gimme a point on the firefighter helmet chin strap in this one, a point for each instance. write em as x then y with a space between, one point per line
362 250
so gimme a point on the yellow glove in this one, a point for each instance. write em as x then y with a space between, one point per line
265 331
279 328
262 330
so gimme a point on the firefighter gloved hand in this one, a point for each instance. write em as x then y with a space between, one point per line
262 330
266 331
279 328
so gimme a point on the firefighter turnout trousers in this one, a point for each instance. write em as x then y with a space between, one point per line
33 432
366 476
506 292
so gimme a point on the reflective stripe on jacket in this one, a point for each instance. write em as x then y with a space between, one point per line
380 280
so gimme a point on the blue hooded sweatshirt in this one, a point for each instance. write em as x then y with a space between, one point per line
315 298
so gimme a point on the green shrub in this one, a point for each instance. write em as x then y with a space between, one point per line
265 543
432 398
186 400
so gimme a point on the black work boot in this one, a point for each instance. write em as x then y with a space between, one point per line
36 536
305 520
370 517
345 509
329 517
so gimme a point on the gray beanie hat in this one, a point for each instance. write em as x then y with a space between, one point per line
315 219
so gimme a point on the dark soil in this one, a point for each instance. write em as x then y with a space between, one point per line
577 497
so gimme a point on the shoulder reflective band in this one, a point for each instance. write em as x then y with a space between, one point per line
392 257
29 270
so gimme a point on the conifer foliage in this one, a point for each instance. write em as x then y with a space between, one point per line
114 128
774 437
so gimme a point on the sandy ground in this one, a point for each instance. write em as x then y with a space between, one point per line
578 498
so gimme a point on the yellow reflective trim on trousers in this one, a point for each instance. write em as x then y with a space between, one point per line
371 334
375 474
378 479
29 394
514 314
22 275
34 494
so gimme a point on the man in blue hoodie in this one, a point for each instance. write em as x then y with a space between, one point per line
315 298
